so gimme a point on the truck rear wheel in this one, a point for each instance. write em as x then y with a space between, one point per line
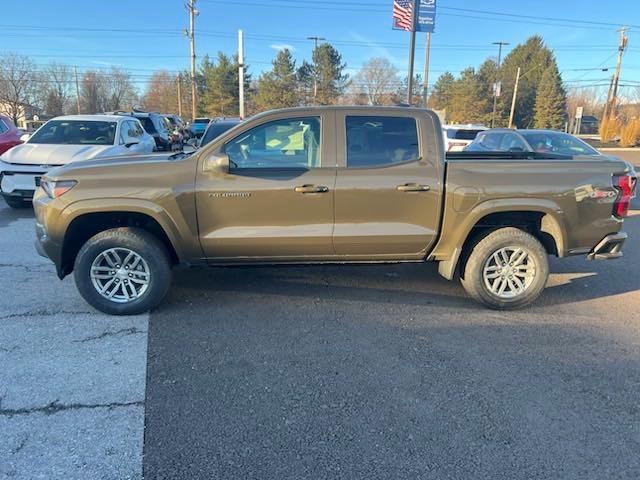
123 271
507 269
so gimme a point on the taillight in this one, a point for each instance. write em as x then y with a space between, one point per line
625 184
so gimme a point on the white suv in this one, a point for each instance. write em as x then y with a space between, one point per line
64 140
457 137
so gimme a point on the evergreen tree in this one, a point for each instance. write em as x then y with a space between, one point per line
278 88
551 100
487 77
533 57
469 103
220 86
328 71
440 97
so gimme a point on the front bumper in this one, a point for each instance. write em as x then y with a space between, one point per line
609 248
19 180
44 244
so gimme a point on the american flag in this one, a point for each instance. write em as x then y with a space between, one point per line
403 15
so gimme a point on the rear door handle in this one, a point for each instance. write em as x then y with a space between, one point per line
311 189
413 187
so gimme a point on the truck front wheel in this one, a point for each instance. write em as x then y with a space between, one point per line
123 271
507 269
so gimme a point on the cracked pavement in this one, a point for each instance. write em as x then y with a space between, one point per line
72 381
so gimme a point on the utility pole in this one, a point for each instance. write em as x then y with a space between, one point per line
193 13
610 107
495 85
425 88
315 74
180 95
513 100
241 72
75 70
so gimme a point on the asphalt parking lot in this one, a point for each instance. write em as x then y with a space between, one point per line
319 372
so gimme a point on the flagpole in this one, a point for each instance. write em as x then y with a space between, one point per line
412 49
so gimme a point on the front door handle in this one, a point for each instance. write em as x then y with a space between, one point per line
311 189
413 187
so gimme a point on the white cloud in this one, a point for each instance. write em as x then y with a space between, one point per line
282 46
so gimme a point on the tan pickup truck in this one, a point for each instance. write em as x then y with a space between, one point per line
330 185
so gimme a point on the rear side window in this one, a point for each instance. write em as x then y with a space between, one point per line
3 127
380 141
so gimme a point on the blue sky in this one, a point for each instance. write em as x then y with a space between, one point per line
143 35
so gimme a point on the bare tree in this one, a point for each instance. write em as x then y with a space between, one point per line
120 92
588 98
162 93
18 85
378 80
57 89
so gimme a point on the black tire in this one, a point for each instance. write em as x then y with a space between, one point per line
142 243
473 280
17 202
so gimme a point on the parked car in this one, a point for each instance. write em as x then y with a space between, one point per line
9 134
457 137
63 140
199 126
216 128
157 126
540 141
330 185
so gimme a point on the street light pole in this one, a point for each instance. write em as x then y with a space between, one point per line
513 100
315 39
495 85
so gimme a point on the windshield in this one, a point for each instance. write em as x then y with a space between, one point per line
557 142
215 130
75 132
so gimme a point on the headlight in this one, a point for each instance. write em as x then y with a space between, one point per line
56 188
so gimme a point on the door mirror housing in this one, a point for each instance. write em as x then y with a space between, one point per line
216 163
25 137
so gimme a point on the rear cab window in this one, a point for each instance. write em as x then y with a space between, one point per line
377 141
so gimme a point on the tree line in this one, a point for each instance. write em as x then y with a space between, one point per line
542 99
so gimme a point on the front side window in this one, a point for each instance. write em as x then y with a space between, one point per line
380 141
76 132
3 127
288 143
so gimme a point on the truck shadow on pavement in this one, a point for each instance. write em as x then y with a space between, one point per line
246 384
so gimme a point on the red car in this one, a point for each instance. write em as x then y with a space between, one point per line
9 134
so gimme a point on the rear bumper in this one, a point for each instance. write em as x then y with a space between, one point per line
609 248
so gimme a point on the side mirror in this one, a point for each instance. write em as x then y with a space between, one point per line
25 137
216 163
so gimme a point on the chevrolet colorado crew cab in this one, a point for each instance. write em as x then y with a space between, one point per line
330 185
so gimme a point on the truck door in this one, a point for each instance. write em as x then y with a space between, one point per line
389 184
275 202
